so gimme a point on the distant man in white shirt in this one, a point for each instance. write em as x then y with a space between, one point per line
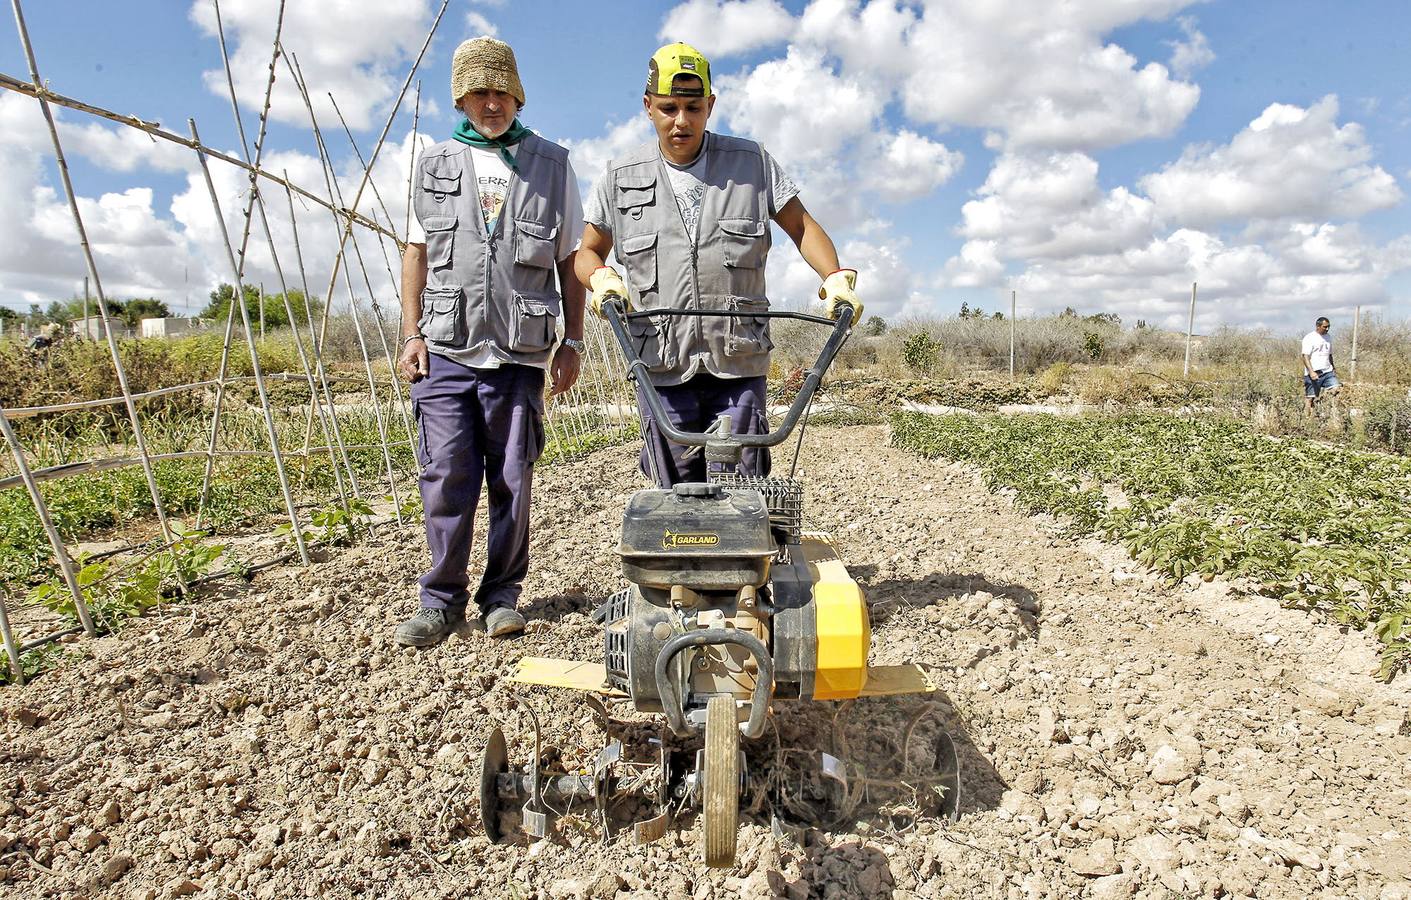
1319 374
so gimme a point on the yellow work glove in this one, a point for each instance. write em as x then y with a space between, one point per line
837 289
606 283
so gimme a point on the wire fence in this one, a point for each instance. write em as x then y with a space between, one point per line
330 438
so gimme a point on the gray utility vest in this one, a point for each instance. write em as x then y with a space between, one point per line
495 289
723 269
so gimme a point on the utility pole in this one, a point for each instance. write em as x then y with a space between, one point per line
1012 299
1190 330
1356 324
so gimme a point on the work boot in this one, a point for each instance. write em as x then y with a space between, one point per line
502 621
428 627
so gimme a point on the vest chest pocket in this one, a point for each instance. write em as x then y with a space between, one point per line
441 179
532 324
638 253
535 243
440 240
634 196
744 242
443 315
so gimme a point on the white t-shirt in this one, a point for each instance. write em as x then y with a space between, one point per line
688 184
493 178
1319 351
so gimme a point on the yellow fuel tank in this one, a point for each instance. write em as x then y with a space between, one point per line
844 632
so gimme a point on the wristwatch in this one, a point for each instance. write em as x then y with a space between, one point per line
574 344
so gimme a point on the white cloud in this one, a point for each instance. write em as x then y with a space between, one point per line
720 28
763 103
1191 54
360 54
909 166
1050 206
1039 75
477 24
1289 162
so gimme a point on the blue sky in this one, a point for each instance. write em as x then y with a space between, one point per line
1100 154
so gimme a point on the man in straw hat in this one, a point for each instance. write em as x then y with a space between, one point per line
498 216
689 216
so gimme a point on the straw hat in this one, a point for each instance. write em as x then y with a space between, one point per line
484 63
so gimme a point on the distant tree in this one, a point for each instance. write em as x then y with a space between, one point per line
1142 325
275 315
998 317
875 326
964 310
139 308
967 313
1106 318
9 315
1068 313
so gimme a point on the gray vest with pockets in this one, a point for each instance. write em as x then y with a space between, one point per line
723 269
496 289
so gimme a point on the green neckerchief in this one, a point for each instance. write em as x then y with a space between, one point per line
466 134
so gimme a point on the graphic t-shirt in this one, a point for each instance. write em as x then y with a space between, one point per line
1319 351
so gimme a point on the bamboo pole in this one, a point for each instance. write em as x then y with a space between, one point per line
137 432
155 130
94 466
16 413
12 649
254 355
377 149
56 543
1190 331
256 202
335 194
215 412
1356 326
323 376
411 174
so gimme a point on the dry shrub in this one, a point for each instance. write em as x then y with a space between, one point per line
1115 387
1054 379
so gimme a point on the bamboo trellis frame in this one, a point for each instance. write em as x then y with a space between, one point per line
601 394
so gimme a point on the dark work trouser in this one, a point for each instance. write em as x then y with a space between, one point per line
694 407
474 424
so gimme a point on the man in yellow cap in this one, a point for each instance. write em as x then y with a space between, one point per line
689 217
498 218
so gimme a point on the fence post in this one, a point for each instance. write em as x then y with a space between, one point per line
1012 300
1356 324
1190 330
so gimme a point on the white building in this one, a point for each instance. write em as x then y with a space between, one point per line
172 326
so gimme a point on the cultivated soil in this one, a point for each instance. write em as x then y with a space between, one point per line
1119 736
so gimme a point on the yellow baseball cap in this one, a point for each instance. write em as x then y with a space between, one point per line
673 60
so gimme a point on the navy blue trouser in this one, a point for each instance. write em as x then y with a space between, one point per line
474 424
694 406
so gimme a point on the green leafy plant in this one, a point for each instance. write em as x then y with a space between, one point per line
1317 527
